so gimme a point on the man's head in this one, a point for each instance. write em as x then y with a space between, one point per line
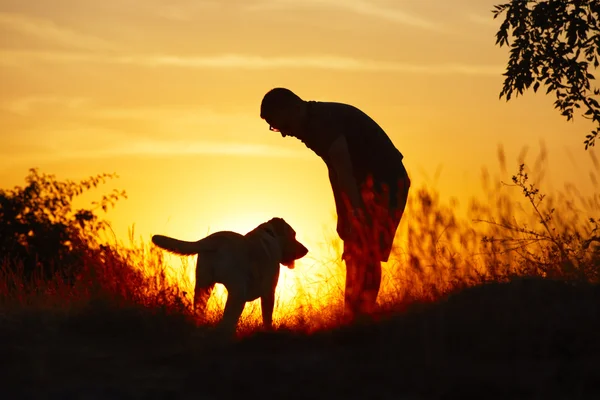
284 111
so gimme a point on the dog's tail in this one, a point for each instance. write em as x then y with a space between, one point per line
177 246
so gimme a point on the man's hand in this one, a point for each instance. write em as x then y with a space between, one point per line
342 166
358 220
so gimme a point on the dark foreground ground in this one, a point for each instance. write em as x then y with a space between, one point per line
528 339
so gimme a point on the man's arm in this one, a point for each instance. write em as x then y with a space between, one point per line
339 156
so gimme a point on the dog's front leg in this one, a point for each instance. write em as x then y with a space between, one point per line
267 304
201 296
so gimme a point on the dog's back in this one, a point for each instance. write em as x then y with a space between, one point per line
214 242
218 254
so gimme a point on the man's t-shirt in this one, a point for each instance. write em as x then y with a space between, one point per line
371 150
373 154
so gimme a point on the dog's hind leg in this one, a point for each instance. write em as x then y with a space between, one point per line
201 296
232 313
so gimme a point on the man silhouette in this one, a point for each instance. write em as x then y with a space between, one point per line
369 182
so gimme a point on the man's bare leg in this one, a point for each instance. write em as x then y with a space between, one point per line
353 289
363 281
370 290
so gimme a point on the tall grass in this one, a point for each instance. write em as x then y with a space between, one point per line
515 230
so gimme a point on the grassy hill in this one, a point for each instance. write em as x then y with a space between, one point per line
529 338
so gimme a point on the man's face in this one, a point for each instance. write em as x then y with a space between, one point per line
285 122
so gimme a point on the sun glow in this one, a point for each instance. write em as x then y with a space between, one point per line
313 286
312 290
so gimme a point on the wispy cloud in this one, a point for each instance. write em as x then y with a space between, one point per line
19 58
78 119
47 30
241 61
174 122
25 105
363 7
487 20
148 148
17 149
165 148
181 11
104 132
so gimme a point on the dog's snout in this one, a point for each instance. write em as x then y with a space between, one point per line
301 250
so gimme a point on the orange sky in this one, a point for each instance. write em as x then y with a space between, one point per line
167 94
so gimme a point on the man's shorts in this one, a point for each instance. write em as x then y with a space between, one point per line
373 239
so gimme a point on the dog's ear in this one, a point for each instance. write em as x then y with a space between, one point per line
296 252
281 227
292 249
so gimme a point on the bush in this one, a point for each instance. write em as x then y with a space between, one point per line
40 232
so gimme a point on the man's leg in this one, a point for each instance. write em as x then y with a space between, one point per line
363 280
352 289
370 289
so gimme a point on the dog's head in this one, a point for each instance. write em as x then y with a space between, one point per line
291 249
